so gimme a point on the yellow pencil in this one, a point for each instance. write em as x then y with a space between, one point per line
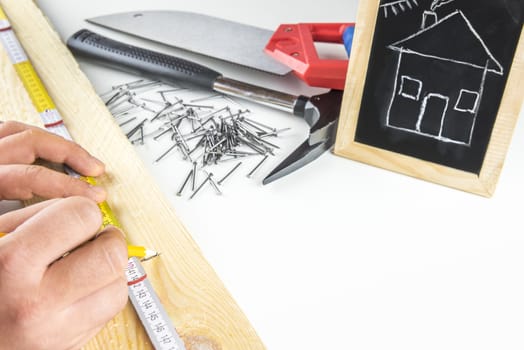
139 252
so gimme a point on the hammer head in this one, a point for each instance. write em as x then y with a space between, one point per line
321 112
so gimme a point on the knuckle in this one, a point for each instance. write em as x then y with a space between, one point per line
26 138
76 148
29 133
13 184
33 172
9 263
18 146
25 313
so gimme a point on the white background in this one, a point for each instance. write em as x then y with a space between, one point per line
341 255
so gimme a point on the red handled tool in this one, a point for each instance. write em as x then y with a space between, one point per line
294 46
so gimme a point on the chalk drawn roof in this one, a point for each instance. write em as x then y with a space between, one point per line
451 39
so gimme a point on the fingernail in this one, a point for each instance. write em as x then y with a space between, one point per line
113 227
98 164
99 193
118 229
121 231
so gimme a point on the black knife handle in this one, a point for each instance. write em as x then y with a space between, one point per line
150 64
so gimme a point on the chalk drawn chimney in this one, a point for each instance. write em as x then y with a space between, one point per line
428 19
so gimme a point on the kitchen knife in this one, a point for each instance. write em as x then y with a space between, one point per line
211 36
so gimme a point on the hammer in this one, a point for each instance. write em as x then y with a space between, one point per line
320 112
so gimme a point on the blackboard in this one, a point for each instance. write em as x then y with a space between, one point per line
435 78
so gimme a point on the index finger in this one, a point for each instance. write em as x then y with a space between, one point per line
21 143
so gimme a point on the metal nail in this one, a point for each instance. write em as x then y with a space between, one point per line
141 139
205 98
188 105
248 120
165 109
251 145
181 189
123 112
200 187
165 153
159 103
127 122
217 134
229 173
148 85
275 133
257 166
162 133
193 182
213 183
136 128
117 95
141 105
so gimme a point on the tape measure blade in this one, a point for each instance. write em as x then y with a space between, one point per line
154 317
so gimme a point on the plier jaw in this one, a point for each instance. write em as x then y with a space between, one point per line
321 112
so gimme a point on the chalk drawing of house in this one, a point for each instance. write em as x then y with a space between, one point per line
440 78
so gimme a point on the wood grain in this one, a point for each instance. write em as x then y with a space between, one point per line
204 313
483 184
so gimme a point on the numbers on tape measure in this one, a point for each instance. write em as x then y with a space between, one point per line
26 72
152 315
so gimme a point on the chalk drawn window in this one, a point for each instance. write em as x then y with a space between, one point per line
410 88
467 101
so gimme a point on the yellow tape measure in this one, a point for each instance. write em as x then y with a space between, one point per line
152 314
107 214
23 67
34 87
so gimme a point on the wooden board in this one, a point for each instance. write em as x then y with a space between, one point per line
204 313
433 89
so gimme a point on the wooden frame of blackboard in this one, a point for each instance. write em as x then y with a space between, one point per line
482 182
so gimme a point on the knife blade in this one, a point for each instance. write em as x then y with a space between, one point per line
211 36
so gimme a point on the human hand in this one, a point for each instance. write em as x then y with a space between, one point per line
21 145
49 302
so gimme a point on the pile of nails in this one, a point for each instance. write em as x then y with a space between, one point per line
206 131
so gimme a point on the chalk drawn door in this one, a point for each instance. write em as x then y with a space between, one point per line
432 114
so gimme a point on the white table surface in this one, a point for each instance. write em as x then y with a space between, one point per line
342 255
